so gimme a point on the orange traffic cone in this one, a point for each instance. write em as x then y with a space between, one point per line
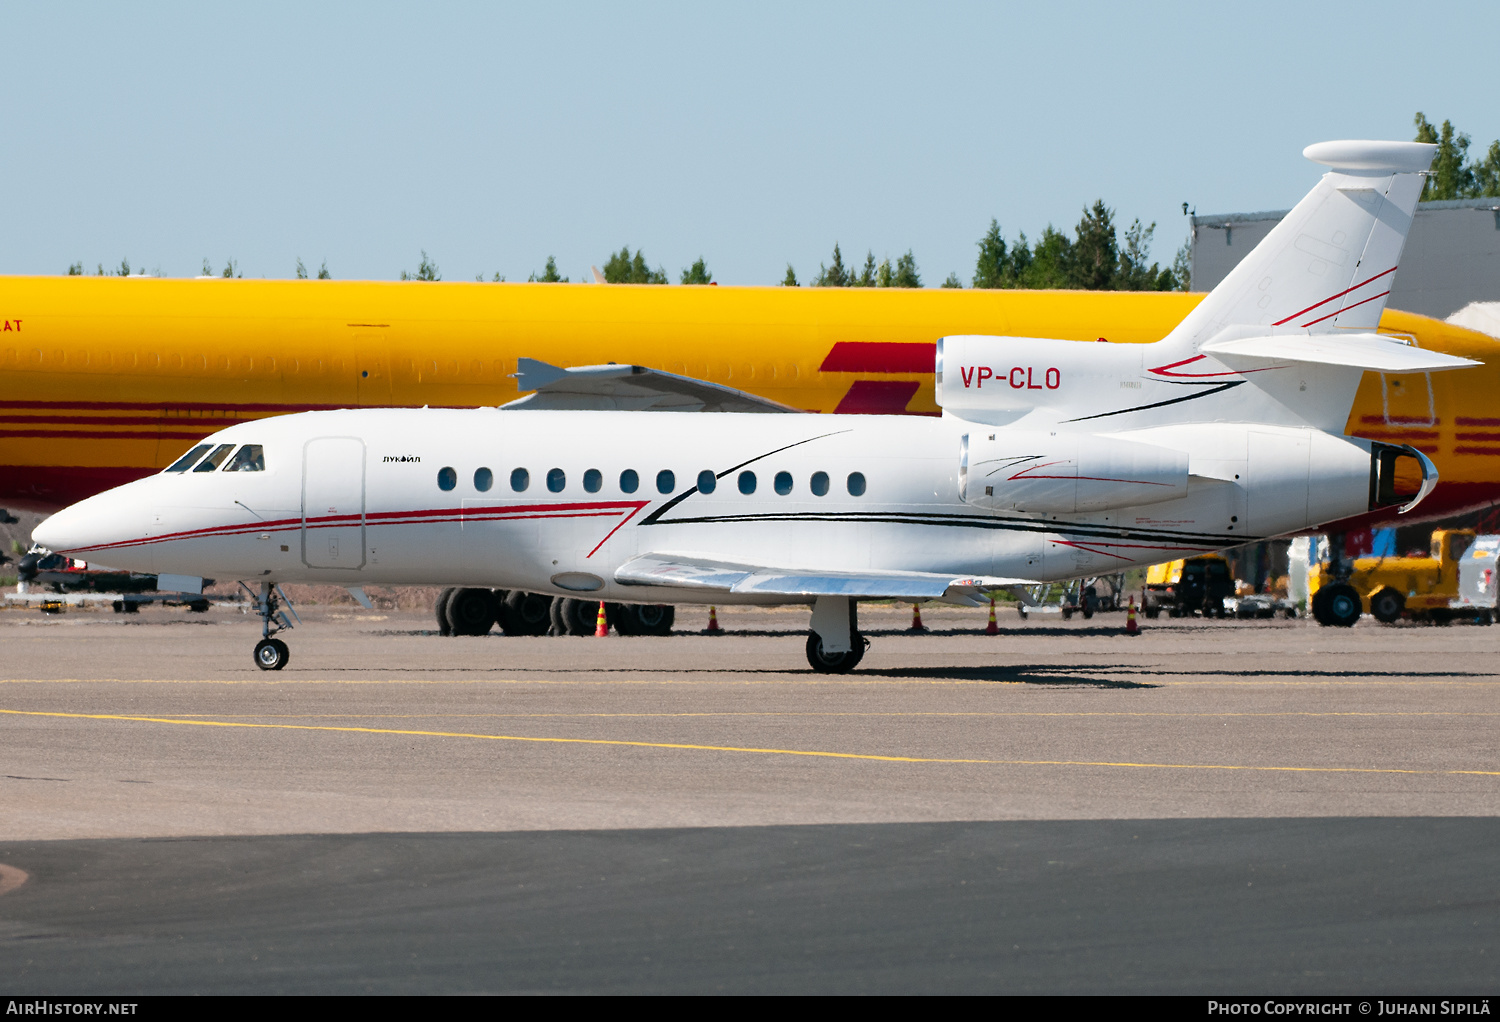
1131 628
993 628
713 623
916 619
601 623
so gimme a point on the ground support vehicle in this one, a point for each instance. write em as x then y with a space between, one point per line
1389 588
1260 605
1479 581
1191 586
1086 596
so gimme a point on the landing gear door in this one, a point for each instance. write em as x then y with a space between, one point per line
333 503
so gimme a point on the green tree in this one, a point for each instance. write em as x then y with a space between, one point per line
301 270
231 269
123 270
1451 176
549 274
790 280
75 269
1182 269
866 276
953 281
207 271
1049 261
1487 172
993 268
883 273
497 278
835 275
697 273
624 268
1093 260
323 273
426 270
905 274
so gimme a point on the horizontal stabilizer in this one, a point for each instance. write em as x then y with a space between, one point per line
1374 352
696 573
627 388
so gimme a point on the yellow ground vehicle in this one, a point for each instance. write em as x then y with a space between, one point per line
1387 587
1197 584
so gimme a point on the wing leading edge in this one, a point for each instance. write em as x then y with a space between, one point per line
698 573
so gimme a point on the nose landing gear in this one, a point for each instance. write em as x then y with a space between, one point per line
271 654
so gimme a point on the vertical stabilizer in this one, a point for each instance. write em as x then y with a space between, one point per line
1329 264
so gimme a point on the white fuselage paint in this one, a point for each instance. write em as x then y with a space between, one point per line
353 498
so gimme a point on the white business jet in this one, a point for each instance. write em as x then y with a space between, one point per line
1052 460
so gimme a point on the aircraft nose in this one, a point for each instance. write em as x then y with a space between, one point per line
102 521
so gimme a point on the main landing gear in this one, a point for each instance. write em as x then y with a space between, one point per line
834 645
271 654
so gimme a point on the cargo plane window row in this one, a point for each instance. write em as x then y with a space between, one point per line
249 458
666 481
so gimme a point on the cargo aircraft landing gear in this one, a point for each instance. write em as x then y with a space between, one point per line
834 645
271 654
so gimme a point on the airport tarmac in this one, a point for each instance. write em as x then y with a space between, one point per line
1059 807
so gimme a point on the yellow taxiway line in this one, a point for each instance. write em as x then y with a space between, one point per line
810 753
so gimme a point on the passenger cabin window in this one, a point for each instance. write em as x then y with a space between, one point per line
447 478
747 483
783 483
706 481
666 481
215 459
856 484
593 480
519 480
483 479
250 458
629 481
556 479
185 462
820 484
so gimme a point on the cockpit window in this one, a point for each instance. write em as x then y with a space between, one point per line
250 458
215 459
185 462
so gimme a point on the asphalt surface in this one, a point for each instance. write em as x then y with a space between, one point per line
1209 807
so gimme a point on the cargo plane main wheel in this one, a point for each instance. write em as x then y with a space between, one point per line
441 609
471 612
271 654
524 613
834 663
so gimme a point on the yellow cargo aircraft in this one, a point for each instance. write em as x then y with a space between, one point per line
106 379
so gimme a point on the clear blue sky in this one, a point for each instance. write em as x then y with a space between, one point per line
755 135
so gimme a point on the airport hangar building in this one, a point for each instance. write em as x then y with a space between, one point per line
1452 255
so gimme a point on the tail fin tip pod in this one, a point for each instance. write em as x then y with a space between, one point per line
1328 265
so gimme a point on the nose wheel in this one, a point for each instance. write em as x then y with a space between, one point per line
271 654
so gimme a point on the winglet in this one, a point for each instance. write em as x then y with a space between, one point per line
598 277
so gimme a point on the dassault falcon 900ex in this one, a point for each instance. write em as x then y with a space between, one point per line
1052 459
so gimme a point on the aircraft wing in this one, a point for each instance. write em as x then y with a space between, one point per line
685 572
627 388
1376 352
